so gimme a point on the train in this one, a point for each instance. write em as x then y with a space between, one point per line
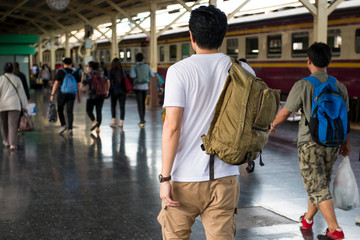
274 45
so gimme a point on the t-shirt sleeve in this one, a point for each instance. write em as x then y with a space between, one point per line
294 99
59 75
174 89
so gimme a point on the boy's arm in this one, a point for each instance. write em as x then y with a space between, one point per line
170 142
281 117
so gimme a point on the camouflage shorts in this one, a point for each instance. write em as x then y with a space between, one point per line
316 164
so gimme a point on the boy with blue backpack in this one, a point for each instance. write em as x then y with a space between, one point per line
68 80
323 131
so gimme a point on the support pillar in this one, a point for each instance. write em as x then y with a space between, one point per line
153 56
320 22
114 42
67 45
213 2
52 55
40 51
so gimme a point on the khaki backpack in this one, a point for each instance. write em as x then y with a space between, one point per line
243 113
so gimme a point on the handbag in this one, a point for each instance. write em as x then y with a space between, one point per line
25 123
128 85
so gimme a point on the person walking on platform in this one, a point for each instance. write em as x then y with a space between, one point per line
67 94
141 73
12 99
23 79
98 89
192 89
316 161
45 75
118 91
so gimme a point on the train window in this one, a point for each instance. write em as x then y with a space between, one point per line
128 54
252 47
232 47
122 55
357 41
185 50
172 52
334 41
300 44
274 46
162 54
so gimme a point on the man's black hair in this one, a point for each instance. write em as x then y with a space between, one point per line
208 26
67 61
8 67
320 54
139 57
94 65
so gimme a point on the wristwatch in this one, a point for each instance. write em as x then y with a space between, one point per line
164 179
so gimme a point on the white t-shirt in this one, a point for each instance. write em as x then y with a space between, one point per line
195 84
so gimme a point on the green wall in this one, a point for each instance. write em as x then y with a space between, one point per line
17 44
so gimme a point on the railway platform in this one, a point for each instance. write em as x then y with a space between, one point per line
86 186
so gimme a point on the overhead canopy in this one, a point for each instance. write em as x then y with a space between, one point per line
11 44
36 17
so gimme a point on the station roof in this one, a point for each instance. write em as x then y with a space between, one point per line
36 17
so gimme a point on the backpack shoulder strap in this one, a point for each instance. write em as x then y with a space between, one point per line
332 80
63 69
313 80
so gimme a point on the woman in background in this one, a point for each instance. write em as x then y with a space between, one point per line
118 91
12 98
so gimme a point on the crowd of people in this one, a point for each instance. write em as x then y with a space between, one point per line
185 188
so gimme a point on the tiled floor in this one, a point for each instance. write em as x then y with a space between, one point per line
106 187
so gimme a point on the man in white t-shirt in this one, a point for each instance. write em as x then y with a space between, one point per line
192 89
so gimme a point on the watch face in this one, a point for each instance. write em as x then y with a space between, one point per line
58 5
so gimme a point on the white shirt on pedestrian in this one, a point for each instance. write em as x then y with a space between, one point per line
195 84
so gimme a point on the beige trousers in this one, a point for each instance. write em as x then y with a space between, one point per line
215 201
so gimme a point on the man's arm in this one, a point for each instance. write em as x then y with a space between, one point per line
281 117
170 142
53 91
345 147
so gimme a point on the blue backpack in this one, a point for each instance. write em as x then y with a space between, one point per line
69 84
328 123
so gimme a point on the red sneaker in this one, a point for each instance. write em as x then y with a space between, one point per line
337 234
304 224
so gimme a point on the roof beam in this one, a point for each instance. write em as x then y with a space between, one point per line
333 6
10 12
122 12
87 21
312 9
181 2
231 15
176 19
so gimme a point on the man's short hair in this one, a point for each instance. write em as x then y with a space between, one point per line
67 61
320 54
8 67
208 26
139 57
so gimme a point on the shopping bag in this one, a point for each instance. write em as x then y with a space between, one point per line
31 109
26 124
52 113
346 192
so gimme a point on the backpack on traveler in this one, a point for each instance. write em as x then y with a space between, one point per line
142 73
69 84
243 113
328 122
98 84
